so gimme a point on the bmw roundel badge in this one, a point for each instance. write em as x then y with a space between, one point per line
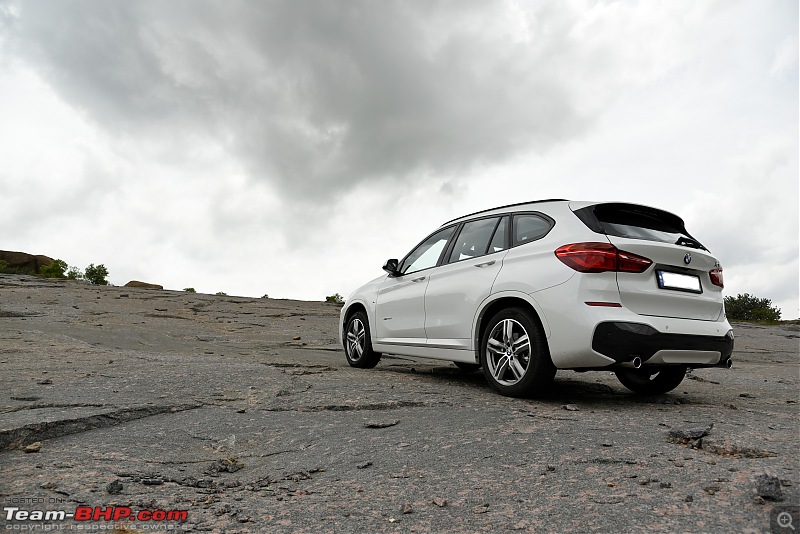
687 259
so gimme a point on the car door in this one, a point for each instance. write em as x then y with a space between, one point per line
400 304
463 281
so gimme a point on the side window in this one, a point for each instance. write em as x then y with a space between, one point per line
473 240
499 239
427 253
529 227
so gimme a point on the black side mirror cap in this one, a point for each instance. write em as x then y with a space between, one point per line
391 267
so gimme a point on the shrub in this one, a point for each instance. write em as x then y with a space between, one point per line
54 270
96 274
5 269
221 294
264 296
189 290
746 307
74 274
336 298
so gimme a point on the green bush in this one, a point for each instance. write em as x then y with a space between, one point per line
336 298
189 290
74 274
54 270
5 269
221 294
96 274
746 307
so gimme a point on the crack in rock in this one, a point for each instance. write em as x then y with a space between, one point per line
49 405
16 437
388 405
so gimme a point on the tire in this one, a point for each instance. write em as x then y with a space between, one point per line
358 344
514 354
651 381
468 367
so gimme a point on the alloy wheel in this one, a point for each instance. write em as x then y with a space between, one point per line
508 352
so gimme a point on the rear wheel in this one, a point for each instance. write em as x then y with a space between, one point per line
357 342
656 381
514 355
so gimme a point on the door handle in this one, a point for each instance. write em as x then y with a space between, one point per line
485 264
420 279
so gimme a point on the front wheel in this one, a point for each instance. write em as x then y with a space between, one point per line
656 381
357 342
514 354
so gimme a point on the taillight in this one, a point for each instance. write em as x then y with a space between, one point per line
600 258
716 277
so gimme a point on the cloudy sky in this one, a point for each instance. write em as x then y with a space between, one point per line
290 147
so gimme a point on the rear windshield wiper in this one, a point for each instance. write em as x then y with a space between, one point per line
689 242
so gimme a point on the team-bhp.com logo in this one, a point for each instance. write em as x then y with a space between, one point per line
94 513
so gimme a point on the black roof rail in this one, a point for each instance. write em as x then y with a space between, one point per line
509 206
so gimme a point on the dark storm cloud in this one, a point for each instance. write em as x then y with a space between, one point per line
315 97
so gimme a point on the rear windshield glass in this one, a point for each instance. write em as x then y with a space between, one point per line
637 222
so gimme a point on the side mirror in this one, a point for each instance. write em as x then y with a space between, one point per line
391 267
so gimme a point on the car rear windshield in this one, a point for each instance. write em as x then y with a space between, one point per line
637 222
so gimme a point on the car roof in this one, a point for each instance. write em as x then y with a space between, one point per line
517 205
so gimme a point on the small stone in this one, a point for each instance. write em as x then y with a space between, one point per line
769 487
114 488
786 483
407 509
438 501
36 446
684 435
241 410
381 424
689 498
49 485
711 490
746 396
665 485
45 382
296 338
607 444
759 500
155 481
570 408
364 465
551 468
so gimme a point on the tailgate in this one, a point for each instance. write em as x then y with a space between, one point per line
676 285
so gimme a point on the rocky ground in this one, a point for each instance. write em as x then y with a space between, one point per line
244 413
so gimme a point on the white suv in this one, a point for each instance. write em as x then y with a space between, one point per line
525 289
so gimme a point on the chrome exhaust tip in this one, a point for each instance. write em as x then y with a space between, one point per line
634 363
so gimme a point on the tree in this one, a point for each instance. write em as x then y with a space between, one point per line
189 290
96 274
74 274
746 307
336 298
54 270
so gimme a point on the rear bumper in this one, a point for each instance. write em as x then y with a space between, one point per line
621 341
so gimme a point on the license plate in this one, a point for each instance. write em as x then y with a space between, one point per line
679 282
